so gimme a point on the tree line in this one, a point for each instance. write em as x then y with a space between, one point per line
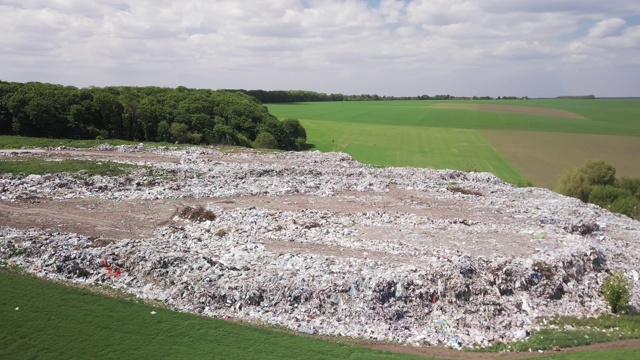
290 96
596 183
196 116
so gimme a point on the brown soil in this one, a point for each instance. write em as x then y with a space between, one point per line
543 157
530 110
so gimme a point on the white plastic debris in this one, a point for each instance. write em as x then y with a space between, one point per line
322 244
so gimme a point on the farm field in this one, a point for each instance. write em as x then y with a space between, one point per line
354 127
394 145
542 155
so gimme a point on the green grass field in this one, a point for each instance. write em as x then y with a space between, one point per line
17 142
462 149
430 133
53 321
39 166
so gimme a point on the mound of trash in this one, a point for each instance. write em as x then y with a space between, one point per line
322 244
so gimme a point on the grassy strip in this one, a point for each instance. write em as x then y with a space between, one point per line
570 332
57 322
17 142
40 166
610 354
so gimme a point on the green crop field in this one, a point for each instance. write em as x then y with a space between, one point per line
412 146
478 135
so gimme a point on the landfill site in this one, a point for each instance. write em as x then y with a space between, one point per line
319 243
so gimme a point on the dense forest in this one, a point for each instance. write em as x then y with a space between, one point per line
196 116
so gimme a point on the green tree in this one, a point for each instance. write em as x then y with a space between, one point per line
110 112
145 113
629 206
164 131
296 135
599 172
574 183
264 140
631 184
223 134
180 133
605 195
579 182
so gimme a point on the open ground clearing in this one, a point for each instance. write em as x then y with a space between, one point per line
317 241
543 157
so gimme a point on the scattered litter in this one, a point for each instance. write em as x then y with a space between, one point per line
408 271
307 330
153 312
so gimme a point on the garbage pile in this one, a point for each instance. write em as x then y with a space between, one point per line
426 257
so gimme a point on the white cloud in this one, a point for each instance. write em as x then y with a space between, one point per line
397 47
607 27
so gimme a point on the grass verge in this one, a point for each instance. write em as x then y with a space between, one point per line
609 354
40 166
566 332
53 321
18 142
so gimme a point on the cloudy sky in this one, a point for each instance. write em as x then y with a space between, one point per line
386 47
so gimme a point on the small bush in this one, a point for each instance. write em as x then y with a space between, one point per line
579 182
629 183
599 172
265 140
199 214
615 290
575 184
605 195
626 206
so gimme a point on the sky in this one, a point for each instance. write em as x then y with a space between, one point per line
535 48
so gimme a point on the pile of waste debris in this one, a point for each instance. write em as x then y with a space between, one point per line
322 244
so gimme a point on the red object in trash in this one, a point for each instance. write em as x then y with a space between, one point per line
110 271
435 299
